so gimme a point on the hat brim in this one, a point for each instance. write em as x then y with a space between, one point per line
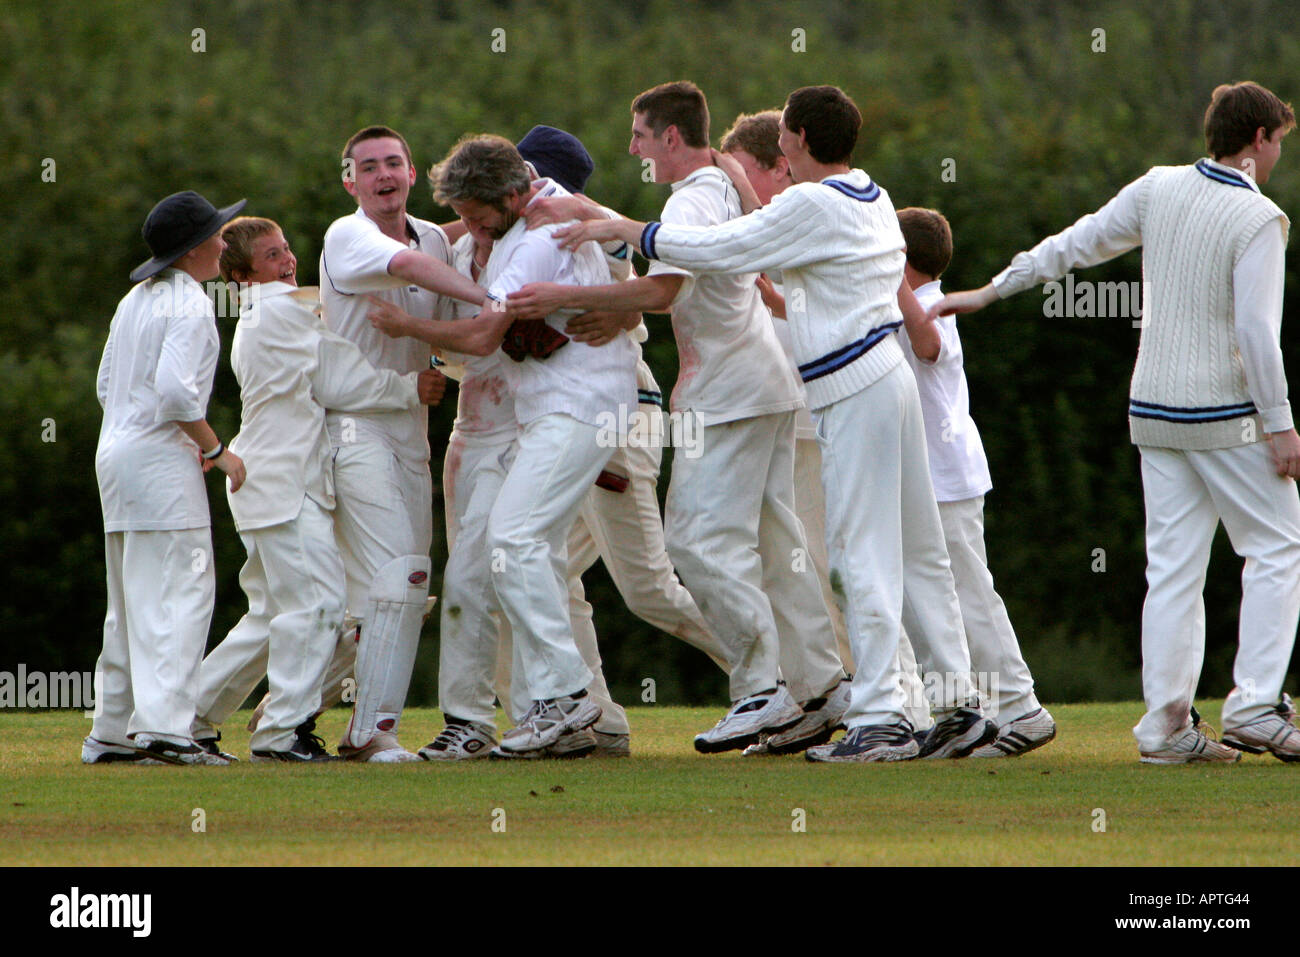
158 263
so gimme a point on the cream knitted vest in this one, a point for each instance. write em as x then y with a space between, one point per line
1189 384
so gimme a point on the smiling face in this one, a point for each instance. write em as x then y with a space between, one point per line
272 260
383 177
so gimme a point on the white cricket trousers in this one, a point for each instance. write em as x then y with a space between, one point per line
557 461
886 545
161 589
294 582
626 531
810 506
733 535
1187 494
995 656
474 469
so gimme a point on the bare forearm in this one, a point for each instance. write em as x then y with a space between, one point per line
425 271
201 433
922 331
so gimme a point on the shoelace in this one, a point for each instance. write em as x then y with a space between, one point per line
314 743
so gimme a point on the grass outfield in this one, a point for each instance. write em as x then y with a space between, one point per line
665 805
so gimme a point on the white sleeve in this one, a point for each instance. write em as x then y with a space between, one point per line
176 376
356 255
1109 232
343 381
786 233
1257 281
105 363
536 259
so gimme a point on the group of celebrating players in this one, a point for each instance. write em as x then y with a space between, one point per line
826 521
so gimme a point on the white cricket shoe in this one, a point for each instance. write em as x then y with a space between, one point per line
547 720
1193 746
822 716
1020 736
767 712
869 743
1275 733
212 746
570 745
383 748
460 741
94 751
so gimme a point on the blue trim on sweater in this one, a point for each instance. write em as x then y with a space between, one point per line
868 195
834 361
1195 415
1222 176
647 397
648 240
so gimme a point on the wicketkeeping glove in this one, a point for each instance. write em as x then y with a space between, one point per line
531 337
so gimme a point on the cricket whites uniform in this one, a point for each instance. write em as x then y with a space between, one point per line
562 404
959 471
1208 383
384 518
289 368
731 528
840 252
157 370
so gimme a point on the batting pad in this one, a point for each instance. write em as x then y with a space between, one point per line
390 634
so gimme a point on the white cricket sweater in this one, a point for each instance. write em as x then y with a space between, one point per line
1189 385
840 251
1209 371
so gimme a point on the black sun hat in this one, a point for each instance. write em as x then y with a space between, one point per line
178 224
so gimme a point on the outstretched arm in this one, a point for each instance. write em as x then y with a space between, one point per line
432 274
477 336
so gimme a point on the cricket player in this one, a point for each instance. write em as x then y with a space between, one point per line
289 368
731 528
621 525
752 141
1208 410
563 393
835 237
154 381
959 471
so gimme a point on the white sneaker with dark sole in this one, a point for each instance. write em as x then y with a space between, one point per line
869 743
768 712
460 741
822 716
958 734
211 745
1020 736
94 751
1274 734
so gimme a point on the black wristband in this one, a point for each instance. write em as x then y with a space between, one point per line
215 453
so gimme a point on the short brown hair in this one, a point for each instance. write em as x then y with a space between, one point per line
375 133
929 240
1237 111
757 135
482 168
829 120
240 234
680 104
